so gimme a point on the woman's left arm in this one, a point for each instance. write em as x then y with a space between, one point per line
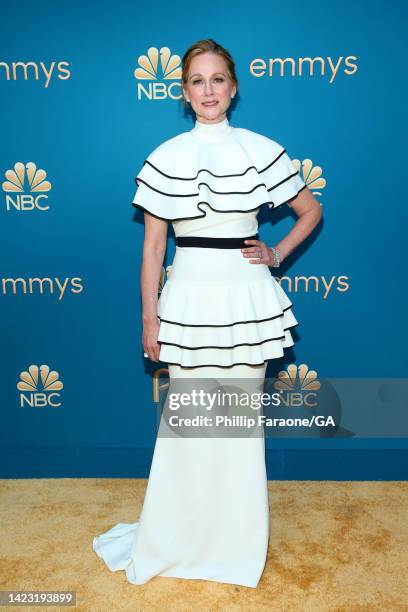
309 213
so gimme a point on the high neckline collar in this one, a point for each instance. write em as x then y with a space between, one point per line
211 132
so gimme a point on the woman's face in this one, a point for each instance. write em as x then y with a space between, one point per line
209 88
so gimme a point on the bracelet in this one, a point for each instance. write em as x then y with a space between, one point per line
277 256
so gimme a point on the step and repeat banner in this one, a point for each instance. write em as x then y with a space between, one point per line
87 91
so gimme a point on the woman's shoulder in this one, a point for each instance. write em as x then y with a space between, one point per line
179 151
174 145
258 139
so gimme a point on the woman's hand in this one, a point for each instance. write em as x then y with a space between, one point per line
263 253
149 339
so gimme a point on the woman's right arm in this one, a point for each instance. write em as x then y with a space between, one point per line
154 248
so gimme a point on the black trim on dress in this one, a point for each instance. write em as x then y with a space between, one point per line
193 178
212 242
217 365
226 324
271 206
195 348
192 195
204 213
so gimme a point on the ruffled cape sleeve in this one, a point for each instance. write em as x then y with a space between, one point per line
182 176
282 180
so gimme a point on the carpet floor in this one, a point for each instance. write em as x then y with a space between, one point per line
334 546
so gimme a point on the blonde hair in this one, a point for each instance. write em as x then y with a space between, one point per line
207 45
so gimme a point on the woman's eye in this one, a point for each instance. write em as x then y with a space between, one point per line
216 79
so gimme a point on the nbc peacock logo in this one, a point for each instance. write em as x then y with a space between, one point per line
312 175
40 387
298 386
26 187
155 74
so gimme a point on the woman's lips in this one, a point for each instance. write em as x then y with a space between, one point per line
210 103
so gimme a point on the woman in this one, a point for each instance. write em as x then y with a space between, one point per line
221 314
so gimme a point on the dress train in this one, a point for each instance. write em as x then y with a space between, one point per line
206 513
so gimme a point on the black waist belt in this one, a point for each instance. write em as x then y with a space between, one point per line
214 243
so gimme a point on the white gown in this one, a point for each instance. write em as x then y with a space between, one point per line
205 514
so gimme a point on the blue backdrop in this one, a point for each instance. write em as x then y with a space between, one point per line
78 120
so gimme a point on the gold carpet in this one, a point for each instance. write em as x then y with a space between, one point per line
334 546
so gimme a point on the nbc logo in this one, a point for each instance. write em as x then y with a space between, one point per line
297 385
149 71
39 387
23 179
312 175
